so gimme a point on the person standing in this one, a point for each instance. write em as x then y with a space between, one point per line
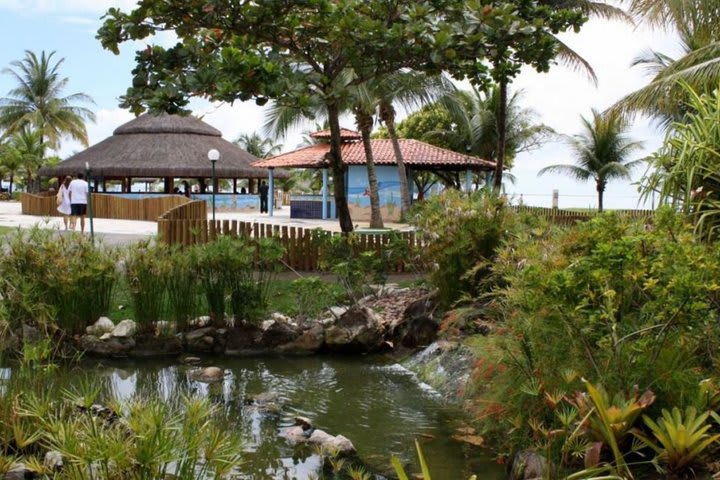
63 197
78 193
263 190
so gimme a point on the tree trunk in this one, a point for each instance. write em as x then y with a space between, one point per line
338 169
364 122
10 185
387 113
600 190
500 126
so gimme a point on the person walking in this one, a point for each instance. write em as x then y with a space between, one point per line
63 203
263 190
78 193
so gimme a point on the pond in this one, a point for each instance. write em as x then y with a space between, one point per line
378 405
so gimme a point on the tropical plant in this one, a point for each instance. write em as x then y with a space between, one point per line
24 152
145 276
684 171
402 474
36 101
680 440
696 23
602 150
256 145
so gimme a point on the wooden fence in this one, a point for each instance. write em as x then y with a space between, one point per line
192 210
570 217
302 245
106 206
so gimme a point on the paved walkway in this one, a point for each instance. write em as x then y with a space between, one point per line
127 231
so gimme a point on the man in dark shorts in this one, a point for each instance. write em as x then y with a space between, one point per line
78 190
263 190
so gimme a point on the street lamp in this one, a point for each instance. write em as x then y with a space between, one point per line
213 156
90 204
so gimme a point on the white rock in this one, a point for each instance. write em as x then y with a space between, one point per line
201 321
279 317
106 336
103 325
320 437
266 324
126 328
53 460
338 311
207 375
342 445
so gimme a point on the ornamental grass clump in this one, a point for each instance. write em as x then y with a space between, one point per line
182 286
146 274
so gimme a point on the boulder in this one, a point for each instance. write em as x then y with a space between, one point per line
303 422
296 434
102 326
112 347
18 471
191 360
125 329
337 445
150 345
417 327
245 340
207 375
358 330
279 332
201 339
527 465
310 340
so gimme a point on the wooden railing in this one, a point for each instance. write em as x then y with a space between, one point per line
570 217
107 206
193 210
302 245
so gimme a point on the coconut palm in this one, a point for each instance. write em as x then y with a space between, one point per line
24 152
602 152
36 101
255 144
698 26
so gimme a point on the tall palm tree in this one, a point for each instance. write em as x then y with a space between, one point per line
257 145
602 152
698 26
408 89
36 101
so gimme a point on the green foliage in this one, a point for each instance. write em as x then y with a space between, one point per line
678 440
182 286
311 295
461 236
49 278
685 170
146 275
400 470
356 267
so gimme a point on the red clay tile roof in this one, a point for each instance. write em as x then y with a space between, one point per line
415 153
345 134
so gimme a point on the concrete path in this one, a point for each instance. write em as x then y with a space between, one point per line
129 231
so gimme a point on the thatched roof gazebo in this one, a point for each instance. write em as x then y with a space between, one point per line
162 147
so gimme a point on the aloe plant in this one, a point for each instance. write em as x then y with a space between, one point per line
680 440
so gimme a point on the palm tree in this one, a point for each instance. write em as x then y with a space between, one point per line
602 151
698 26
23 151
37 102
255 144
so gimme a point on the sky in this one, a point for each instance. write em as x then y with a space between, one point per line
559 98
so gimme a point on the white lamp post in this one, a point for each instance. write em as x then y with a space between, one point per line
213 156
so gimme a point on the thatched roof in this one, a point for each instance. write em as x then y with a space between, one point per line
159 146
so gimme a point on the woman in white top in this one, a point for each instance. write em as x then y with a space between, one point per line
63 196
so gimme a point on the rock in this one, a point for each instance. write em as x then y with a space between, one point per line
112 347
310 340
279 317
151 345
527 465
53 460
264 398
338 311
125 329
201 339
336 445
18 471
245 340
445 366
102 326
207 375
201 321
358 330
303 422
191 360
30 334
279 333
417 326
297 434
475 440
106 336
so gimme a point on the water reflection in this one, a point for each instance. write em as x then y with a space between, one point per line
379 406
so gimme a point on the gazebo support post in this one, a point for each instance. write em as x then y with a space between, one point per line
168 185
271 191
235 186
324 193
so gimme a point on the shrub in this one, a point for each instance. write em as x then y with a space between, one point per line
461 235
182 286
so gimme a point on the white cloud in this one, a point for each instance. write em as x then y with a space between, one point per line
65 6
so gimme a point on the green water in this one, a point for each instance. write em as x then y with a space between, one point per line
378 405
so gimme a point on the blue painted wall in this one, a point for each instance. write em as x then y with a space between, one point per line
358 190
